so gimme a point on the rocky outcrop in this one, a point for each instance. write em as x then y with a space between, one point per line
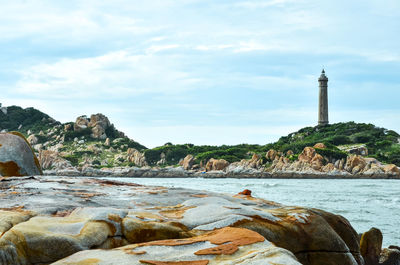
99 124
51 160
136 157
271 155
390 256
91 215
320 146
216 164
32 139
80 123
17 157
187 162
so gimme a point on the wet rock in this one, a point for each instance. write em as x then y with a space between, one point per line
17 158
390 256
371 245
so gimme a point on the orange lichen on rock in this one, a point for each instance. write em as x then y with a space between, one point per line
199 195
9 168
114 217
245 192
175 213
37 163
229 239
190 262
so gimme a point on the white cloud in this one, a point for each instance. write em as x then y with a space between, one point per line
117 75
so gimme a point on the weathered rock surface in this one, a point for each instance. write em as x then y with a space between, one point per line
93 214
16 156
390 256
136 157
216 164
187 162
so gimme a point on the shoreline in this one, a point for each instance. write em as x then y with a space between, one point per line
181 173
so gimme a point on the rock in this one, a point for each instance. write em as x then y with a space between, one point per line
289 153
81 123
32 139
163 160
355 149
51 160
245 192
355 164
107 142
307 155
390 256
371 245
216 164
187 162
136 157
93 214
99 124
391 169
271 155
320 146
328 167
17 157
81 141
235 245
29 132
67 127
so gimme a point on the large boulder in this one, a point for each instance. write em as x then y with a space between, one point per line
80 123
52 160
271 155
371 246
92 214
187 162
17 157
355 164
99 124
216 164
390 256
222 246
136 157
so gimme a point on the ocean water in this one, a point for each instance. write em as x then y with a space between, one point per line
365 203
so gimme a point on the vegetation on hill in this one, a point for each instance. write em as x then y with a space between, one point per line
382 144
22 120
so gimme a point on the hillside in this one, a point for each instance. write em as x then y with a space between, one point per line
94 141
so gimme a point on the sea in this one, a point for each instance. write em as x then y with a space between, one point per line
365 203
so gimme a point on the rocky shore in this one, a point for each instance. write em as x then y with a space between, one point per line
80 220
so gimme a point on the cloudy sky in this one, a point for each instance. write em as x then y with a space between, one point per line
203 71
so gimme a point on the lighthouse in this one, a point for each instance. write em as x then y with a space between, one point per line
323 99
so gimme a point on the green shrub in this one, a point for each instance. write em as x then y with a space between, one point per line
71 135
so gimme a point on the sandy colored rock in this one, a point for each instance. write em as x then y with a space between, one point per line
187 162
216 164
271 154
32 139
136 157
320 146
81 123
17 157
222 246
307 155
390 256
355 164
52 160
391 169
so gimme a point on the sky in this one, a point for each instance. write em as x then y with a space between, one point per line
203 71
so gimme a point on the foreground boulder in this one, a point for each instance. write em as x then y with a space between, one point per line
92 214
16 156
